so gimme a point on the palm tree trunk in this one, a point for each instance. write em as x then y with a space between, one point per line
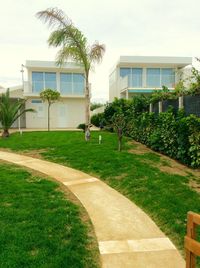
87 105
5 133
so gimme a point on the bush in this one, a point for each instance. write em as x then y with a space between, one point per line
164 135
171 133
81 126
97 119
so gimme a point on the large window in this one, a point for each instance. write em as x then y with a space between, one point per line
66 84
78 84
168 77
157 77
153 77
125 72
134 76
41 80
71 84
50 80
37 82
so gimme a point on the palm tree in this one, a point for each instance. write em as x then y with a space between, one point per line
74 45
10 111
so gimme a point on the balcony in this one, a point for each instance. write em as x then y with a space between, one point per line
146 83
70 91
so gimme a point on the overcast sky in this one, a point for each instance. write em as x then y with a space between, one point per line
130 27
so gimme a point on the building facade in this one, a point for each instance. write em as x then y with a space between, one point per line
139 74
69 80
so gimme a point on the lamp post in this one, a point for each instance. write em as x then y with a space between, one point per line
19 121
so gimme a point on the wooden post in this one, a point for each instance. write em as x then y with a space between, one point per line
192 247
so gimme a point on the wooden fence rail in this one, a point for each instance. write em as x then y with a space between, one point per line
191 245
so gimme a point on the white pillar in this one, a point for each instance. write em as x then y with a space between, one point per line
160 106
180 102
127 94
151 108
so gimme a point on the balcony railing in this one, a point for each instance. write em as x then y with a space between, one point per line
150 82
67 89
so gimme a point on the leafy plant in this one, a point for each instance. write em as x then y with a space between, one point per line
195 84
10 111
51 96
180 89
95 105
118 120
81 126
98 119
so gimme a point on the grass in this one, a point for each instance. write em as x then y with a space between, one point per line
39 226
165 197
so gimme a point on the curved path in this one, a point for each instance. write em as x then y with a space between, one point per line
127 237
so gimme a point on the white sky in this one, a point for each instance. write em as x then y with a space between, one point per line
130 27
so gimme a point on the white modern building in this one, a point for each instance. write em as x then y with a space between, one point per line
69 111
142 74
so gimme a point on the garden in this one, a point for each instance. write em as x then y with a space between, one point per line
137 172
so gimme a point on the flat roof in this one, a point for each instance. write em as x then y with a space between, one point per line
143 61
155 59
52 64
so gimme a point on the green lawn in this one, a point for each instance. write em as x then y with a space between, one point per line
39 226
165 197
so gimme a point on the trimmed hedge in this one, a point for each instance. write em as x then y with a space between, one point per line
171 132
174 135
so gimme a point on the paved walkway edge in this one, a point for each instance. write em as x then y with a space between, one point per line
127 237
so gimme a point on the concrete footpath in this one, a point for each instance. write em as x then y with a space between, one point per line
127 237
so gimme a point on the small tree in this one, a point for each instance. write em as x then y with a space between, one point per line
51 96
119 122
10 111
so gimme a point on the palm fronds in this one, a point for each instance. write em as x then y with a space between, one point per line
10 111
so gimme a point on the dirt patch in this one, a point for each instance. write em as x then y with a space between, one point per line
34 153
166 164
121 177
195 185
172 170
139 148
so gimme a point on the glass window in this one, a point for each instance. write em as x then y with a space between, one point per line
66 84
125 72
36 101
153 77
167 77
37 81
50 80
78 84
136 77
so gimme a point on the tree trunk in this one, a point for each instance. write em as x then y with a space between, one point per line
48 117
87 106
119 139
5 133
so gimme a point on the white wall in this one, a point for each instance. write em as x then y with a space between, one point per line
67 113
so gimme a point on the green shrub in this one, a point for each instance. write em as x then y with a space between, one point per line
98 119
171 133
164 135
81 126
